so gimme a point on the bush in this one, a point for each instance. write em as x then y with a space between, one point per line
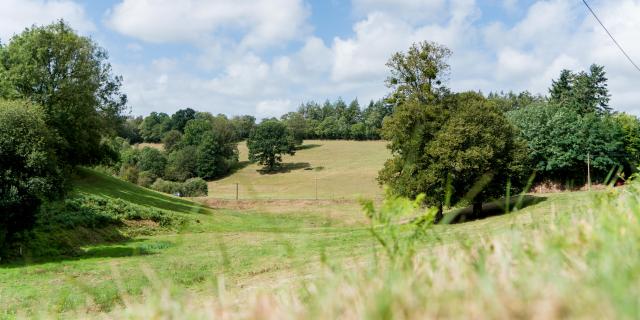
169 187
194 187
146 178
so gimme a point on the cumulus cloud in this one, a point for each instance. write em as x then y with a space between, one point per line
261 23
16 15
237 77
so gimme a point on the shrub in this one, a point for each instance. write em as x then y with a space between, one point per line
146 178
195 187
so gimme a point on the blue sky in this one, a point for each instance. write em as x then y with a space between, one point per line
266 57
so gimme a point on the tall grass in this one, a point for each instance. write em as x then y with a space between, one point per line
582 262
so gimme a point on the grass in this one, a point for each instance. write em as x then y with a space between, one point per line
571 255
342 170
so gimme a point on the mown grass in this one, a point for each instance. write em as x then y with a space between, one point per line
341 169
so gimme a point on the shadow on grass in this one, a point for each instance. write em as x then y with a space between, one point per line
239 166
286 167
125 248
308 146
494 208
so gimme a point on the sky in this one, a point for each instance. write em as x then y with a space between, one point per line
266 57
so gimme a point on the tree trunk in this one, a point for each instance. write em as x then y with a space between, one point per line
477 210
439 214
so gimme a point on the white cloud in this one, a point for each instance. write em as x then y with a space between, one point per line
262 23
272 108
16 15
236 78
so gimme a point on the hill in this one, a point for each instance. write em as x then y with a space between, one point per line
339 169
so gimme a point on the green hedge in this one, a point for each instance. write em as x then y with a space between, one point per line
194 187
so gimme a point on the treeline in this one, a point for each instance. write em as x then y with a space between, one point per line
331 120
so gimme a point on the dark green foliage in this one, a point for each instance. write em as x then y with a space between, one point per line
447 146
171 140
69 76
195 130
154 126
268 142
584 92
152 160
630 126
337 120
215 156
129 129
195 187
181 117
560 139
182 164
242 126
510 101
296 125
29 171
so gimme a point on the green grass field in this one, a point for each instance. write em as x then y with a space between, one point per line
317 259
341 170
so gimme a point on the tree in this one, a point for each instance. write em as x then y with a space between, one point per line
630 126
215 156
182 164
154 126
559 141
419 72
29 170
171 140
181 117
153 161
194 131
296 125
70 77
585 92
268 142
243 126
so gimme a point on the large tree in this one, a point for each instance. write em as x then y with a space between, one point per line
28 166
70 77
584 92
419 72
269 142
443 144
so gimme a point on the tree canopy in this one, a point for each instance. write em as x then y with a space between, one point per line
268 142
70 77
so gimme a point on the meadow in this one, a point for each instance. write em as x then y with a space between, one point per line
299 259
339 169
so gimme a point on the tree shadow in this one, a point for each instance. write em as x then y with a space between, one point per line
237 167
494 208
308 146
286 167
125 248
